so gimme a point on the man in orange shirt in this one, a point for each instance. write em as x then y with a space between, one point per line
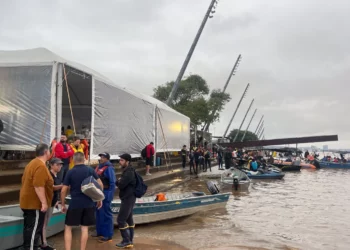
35 196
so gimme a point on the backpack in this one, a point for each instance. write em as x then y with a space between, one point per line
143 153
141 187
91 188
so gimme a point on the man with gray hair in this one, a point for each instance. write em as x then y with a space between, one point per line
81 210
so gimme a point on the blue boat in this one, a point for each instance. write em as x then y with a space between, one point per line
147 210
265 175
328 164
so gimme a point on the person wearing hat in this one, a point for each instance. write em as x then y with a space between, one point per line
55 168
104 216
126 185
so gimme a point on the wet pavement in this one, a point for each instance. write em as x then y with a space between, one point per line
307 210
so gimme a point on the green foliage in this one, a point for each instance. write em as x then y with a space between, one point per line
193 99
250 136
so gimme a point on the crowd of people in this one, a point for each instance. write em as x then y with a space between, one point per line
45 188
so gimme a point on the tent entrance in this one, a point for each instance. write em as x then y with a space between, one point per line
80 95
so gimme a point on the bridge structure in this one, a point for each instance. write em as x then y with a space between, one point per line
281 141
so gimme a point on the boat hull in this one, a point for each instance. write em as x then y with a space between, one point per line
146 211
266 177
335 165
242 187
11 226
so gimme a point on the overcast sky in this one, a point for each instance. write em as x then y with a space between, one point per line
296 53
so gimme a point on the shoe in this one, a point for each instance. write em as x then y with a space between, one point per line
124 245
105 239
47 248
148 173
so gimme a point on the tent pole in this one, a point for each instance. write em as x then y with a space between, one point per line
59 100
155 137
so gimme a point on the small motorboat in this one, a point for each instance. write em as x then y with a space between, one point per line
175 205
236 178
335 165
269 174
11 225
292 165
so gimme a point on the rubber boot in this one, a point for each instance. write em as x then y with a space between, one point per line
131 233
126 239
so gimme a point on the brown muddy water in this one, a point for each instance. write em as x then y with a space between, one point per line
306 210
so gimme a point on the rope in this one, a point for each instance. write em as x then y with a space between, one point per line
70 104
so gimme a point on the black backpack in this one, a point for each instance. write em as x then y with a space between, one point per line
141 187
143 153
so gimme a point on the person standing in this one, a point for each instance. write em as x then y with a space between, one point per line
64 152
149 157
55 167
220 157
184 156
81 210
207 162
196 156
104 216
126 185
35 195
191 159
228 158
76 147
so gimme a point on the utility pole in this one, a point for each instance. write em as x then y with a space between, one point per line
262 132
211 10
233 116
245 132
259 130
256 130
232 73
245 116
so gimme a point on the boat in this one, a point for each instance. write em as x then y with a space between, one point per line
236 178
270 174
303 165
176 205
11 225
335 165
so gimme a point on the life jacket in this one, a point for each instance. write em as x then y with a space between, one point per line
52 148
79 149
86 148
100 173
160 197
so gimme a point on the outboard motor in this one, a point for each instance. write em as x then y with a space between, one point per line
213 189
235 184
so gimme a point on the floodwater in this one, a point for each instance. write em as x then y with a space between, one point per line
307 210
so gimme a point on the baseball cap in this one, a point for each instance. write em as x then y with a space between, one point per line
55 161
126 157
105 155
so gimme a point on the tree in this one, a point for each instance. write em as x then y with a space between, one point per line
194 99
249 136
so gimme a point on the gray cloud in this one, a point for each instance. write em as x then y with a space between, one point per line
296 54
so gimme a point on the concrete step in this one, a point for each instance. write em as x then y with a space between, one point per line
9 193
14 176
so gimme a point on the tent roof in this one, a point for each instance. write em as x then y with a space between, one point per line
43 56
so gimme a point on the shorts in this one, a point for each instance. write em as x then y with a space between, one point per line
149 161
81 217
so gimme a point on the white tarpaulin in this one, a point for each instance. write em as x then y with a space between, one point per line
25 106
120 120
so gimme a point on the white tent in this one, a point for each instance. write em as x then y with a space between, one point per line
34 104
